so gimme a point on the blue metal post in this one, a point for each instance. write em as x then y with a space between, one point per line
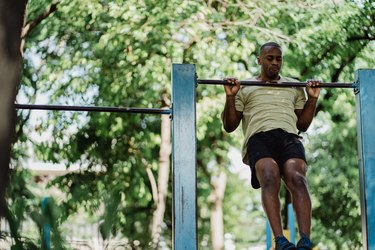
291 228
268 235
184 157
46 227
365 103
291 224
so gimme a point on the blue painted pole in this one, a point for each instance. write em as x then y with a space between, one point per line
365 103
184 158
46 234
291 224
268 235
291 228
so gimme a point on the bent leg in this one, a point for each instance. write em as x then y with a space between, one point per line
294 175
269 177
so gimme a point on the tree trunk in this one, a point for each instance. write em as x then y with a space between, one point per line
11 22
217 221
163 176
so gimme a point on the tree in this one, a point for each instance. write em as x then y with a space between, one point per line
11 20
217 223
160 195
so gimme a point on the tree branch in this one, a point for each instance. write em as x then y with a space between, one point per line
359 38
32 24
245 64
205 171
336 74
318 59
154 187
331 48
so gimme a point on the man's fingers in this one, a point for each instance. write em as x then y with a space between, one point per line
313 82
231 80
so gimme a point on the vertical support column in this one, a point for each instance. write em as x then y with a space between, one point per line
184 157
268 235
291 224
46 227
365 103
290 233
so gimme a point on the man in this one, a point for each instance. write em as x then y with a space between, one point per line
271 118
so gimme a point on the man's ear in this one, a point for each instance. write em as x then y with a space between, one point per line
258 60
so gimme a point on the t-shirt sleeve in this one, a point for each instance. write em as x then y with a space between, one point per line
300 99
239 103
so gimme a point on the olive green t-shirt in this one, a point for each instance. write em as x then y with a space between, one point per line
266 108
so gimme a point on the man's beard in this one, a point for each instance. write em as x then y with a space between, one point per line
273 73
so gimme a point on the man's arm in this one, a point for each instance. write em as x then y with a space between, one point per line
231 117
306 115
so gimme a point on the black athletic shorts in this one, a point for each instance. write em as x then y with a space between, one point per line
276 144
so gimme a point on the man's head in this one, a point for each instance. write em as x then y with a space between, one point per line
270 59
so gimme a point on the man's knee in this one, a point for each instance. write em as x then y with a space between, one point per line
268 173
295 174
297 181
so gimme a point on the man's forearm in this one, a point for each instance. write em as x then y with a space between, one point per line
307 114
230 115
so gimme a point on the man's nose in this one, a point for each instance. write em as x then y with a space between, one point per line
275 62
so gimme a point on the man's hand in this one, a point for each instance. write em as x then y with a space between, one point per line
313 92
232 89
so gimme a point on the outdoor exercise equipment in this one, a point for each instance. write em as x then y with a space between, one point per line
184 77
278 84
183 114
94 109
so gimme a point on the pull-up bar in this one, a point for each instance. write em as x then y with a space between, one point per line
279 84
169 111
94 109
184 83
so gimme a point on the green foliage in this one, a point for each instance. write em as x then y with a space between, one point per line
25 206
334 172
119 53
243 213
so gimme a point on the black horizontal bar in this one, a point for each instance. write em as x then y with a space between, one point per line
281 84
94 109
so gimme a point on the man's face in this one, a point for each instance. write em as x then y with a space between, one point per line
270 60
